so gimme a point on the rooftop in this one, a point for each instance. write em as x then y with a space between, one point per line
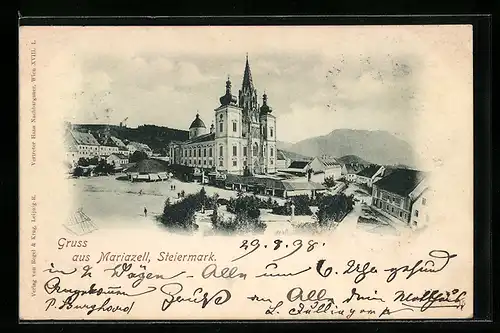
298 164
202 138
148 166
197 122
369 171
84 138
401 181
297 186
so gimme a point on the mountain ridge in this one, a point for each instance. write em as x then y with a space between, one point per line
377 146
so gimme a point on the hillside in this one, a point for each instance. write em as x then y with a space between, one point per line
378 147
156 137
294 156
350 159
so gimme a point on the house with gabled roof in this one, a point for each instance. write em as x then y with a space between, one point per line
325 167
369 174
396 193
86 143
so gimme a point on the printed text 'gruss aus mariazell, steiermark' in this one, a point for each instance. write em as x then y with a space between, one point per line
162 256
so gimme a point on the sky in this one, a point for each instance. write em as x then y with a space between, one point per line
317 79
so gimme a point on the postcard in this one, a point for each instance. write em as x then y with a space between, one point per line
246 172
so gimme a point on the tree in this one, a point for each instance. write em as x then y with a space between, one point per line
104 167
138 156
334 208
329 182
78 172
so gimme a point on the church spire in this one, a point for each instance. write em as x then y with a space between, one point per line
247 77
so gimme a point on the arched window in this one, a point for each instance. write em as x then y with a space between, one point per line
255 149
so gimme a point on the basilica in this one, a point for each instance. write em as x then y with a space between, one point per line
241 139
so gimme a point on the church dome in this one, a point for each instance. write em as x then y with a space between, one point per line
197 123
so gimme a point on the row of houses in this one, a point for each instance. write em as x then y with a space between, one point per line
400 193
319 168
404 194
114 150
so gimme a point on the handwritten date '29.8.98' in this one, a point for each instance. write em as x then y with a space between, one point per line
286 250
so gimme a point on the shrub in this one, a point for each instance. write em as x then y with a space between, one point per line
301 202
78 171
84 162
329 182
180 215
138 156
104 168
247 216
334 208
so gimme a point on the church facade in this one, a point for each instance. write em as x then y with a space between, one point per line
241 140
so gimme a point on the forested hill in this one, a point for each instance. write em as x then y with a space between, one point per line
156 137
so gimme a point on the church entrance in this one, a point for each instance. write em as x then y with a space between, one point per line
256 167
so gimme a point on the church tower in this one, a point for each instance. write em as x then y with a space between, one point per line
227 133
268 136
250 120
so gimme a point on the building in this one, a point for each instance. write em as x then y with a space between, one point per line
325 167
132 147
349 171
272 186
420 212
283 160
148 170
122 147
298 168
117 159
86 144
241 140
72 154
107 147
369 175
396 193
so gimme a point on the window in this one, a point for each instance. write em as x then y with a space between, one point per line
272 152
194 152
221 116
221 151
189 161
271 134
416 213
424 201
234 126
244 151
204 162
221 126
234 151
205 152
234 163
400 214
220 163
199 152
392 209
255 149
210 162
272 161
210 152
190 153
244 163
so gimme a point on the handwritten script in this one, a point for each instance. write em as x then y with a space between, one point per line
322 285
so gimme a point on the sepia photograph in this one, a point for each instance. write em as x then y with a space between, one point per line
230 143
